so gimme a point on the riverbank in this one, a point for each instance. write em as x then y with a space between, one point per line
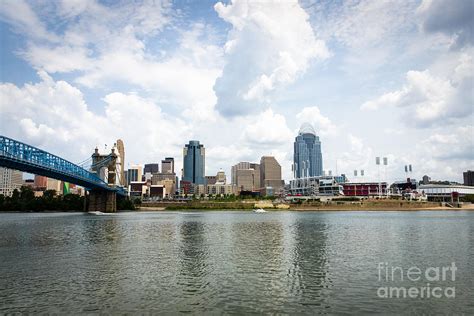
366 205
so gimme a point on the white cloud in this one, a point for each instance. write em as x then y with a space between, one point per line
174 80
19 14
370 32
54 116
269 46
429 98
457 144
358 157
360 24
444 154
322 124
455 21
225 156
57 59
267 129
106 47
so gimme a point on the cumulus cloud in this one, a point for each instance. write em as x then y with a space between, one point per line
20 15
269 46
57 59
323 125
445 153
375 31
267 129
362 23
54 116
455 21
224 156
429 98
458 144
105 47
358 157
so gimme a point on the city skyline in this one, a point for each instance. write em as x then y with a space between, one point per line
162 74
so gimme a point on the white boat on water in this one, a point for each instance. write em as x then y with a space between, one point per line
95 213
259 210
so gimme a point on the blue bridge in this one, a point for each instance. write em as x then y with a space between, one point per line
23 157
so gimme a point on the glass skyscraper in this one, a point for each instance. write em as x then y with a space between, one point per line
307 157
194 162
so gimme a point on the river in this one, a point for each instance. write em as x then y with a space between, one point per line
237 262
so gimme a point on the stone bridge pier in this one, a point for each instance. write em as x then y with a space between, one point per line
102 201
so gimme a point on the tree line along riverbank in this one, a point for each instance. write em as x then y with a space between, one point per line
24 200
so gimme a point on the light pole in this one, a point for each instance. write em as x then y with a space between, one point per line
385 163
303 169
307 174
355 184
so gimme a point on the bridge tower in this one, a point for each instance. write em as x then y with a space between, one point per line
104 166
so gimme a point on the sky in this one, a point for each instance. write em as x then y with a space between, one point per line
375 78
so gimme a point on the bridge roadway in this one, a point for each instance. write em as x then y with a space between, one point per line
26 158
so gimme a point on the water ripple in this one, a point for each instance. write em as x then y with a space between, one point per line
226 262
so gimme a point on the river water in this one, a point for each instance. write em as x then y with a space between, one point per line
236 262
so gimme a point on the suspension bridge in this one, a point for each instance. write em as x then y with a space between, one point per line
102 179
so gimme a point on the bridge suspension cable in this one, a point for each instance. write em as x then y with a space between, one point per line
85 163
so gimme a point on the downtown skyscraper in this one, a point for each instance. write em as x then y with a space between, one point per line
194 162
307 157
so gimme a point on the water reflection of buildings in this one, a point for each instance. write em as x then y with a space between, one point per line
255 270
192 263
101 241
308 276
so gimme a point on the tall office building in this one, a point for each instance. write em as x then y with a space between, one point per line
221 177
166 178
167 165
134 173
246 176
149 170
194 162
10 180
239 166
468 178
211 179
307 157
270 173
41 182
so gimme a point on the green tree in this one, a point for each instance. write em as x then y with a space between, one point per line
15 195
27 193
49 194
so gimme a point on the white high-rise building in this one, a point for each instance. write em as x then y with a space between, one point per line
10 180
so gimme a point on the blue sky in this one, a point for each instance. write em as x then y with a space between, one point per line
375 78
